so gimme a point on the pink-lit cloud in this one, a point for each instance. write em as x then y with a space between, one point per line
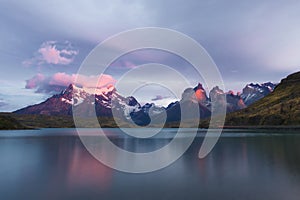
35 81
60 80
64 79
54 53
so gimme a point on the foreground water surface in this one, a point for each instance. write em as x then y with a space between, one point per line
53 164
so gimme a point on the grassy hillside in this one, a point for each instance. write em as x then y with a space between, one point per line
282 107
46 121
21 121
8 123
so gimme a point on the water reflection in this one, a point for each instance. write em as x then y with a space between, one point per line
59 167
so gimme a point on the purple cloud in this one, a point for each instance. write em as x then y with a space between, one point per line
159 97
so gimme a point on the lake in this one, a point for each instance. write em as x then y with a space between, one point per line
244 164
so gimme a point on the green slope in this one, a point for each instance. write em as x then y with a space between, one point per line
281 107
8 123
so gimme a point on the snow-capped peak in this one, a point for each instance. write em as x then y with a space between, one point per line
76 95
255 91
100 91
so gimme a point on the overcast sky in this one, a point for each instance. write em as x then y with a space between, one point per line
43 43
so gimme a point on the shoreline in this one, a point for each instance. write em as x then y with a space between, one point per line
270 127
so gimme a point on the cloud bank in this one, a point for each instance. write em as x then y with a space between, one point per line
60 80
2 103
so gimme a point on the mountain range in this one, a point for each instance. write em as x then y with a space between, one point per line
264 105
108 103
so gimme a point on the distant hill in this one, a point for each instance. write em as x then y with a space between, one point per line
281 107
9 123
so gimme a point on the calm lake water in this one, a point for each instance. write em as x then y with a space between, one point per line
53 164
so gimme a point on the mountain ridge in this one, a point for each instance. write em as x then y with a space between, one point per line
281 107
108 103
